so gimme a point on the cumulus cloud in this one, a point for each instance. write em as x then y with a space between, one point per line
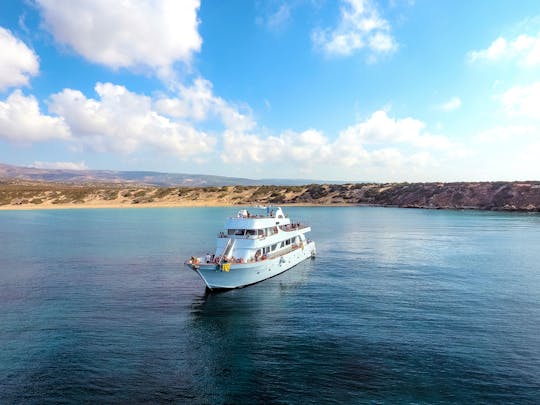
17 61
524 49
360 26
21 121
60 165
381 128
123 121
308 146
198 103
377 141
522 101
126 34
241 147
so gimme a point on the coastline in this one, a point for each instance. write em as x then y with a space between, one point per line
485 196
32 207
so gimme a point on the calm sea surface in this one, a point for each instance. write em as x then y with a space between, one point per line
400 306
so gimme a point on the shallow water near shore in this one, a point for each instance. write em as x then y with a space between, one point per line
400 306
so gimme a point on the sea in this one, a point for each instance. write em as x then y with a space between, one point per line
400 306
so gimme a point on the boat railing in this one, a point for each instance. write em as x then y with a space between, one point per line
286 228
257 216
224 235
293 227
196 261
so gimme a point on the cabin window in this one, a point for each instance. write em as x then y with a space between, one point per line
274 246
250 232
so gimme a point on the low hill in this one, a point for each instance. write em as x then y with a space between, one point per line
503 196
143 178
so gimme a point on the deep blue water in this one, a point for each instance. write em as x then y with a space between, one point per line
400 306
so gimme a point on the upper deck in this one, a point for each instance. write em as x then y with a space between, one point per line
258 218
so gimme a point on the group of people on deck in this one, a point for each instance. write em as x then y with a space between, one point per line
215 259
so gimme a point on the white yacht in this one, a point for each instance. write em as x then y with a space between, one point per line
257 244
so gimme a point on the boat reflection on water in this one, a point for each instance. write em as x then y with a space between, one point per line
257 295
238 335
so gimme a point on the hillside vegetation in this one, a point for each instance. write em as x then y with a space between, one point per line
507 196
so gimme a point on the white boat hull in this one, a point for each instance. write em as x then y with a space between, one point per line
244 274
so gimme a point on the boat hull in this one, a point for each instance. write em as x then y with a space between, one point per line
244 274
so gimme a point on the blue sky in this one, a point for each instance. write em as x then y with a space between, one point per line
353 90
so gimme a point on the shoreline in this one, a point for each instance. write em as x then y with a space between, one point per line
93 206
494 196
33 207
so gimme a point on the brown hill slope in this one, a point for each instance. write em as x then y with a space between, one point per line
507 196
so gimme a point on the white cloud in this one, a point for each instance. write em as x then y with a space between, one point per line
307 147
17 61
122 121
239 147
128 34
386 157
21 121
522 101
524 49
453 104
383 135
381 128
198 103
60 165
360 26
378 141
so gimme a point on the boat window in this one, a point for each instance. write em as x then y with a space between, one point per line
282 244
288 242
261 232
250 232
274 246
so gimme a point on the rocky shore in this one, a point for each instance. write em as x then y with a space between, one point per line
498 196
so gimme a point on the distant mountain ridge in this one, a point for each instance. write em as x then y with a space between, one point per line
148 178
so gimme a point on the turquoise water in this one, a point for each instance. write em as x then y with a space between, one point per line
400 306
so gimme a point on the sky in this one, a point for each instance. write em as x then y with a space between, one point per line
337 90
